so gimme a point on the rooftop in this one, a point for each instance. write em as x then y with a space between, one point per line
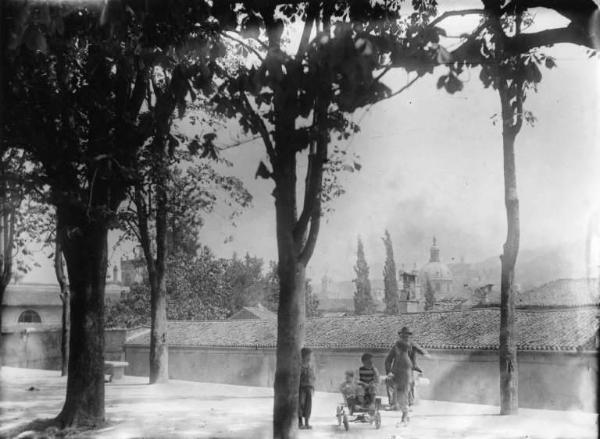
569 329
566 292
254 312
30 294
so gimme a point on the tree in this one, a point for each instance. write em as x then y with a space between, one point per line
75 93
298 100
270 288
246 282
59 271
312 301
11 198
186 196
389 277
23 215
197 289
363 301
510 62
429 295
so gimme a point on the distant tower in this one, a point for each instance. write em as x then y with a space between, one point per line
436 274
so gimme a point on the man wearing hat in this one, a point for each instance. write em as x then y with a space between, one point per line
399 365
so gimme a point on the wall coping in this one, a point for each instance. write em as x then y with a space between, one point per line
571 352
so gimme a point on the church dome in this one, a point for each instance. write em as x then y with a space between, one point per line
436 273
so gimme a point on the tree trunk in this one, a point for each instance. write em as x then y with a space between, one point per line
509 400
85 249
159 349
291 312
290 339
64 297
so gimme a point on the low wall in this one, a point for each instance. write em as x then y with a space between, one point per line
41 349
33 349
547 380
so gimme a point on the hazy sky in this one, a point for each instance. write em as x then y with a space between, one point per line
432 165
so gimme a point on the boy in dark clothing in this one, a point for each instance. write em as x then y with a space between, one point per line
368 378
307 388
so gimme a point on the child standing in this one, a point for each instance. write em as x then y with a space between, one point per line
307 388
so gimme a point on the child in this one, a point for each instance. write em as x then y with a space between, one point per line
368 377
307 388
352 392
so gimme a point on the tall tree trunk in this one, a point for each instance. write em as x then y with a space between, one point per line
64 297
7 233
291 312
85 249
159 349
509 399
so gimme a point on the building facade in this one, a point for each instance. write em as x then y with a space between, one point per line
39 305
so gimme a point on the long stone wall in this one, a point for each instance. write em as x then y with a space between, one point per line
33 350
547 380
41 349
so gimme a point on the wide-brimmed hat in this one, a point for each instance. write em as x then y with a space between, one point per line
404 331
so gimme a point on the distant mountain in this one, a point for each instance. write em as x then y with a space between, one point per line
537 267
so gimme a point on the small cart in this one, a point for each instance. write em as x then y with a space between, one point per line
347 413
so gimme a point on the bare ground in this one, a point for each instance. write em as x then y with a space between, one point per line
186 409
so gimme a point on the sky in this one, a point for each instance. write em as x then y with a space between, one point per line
432 166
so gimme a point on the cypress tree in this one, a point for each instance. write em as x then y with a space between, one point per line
389 277
363 301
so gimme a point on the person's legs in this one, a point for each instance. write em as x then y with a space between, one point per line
402 398
411 394
301 403
307 407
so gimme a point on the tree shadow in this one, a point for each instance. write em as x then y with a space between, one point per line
49 428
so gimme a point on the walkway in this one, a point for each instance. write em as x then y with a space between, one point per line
202 410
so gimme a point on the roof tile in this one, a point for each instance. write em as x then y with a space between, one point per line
565 329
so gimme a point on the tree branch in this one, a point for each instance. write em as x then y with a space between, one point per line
241 142
247 46
144 232
401 89
314 186
260 126
311 15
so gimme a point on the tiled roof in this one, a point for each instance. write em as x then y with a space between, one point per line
45 294
562 292
254 312
563 330
32 295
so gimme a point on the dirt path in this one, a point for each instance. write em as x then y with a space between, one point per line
204 410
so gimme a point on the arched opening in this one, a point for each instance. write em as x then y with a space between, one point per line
30 316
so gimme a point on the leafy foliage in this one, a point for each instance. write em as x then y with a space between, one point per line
203 287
